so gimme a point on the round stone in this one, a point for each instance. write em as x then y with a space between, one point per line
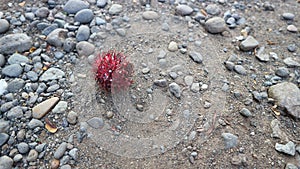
85 48
42 12
215 25
23 147
149 15
84 16
83 33
288 16
184 10
6 162
292 28
115 9
172 46
32 155
4 25
72 117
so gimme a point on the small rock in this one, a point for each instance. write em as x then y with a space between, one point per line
96 122
32 76
213 9
15 85
288 16
188 80
6 162
184 10
229 65
74 153
23 147
2 60
249 43
72 117
121 32
288 148
52 74
292 48
115 9
195 87
73 6
175 89
101 3
3 138
54 164
84 16
109 114
17 59
230 140
245 112
161 82
263 57
276 131
35 123
60 151
282 72
13 70
172 46
290 166
240 69
290 62
196 57
4 25
57 37
32 155
18 42
215 25
43 108
4 126
60 107
85 48
15 113
149 15
83 33
286 95
292 28
17 158
42 12
69 45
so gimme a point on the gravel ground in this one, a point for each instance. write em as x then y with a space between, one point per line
215 84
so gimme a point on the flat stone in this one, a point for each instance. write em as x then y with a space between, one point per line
60 151
249 43
290 62
215 25
288 148
83 33
15 113
84 16
57 37
17 59
4 25
42 12
282 72
240 69
213 9
288 16
67 166
287 96
13 70
290 166
3 138
35 123
121 32
6 162
74 153
292 28
15 85
230 140
85 48
73 6
115 9
18 42
96 122
196 57
245 112
32 155
184 10
276 131
60 107
149 15
175 89
172 46
43 108
52 74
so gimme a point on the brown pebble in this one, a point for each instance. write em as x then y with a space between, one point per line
54 164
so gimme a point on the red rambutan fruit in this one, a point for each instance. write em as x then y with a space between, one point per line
112 71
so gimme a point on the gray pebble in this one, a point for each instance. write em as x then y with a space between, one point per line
23 147
60 107
195 87
41 88
73 6
115 9
53 88
288 16
42 12
165 26
69 45
2 60
96 122
18 157
29 16
52 74
161 82
17 59
83 33
14 113
121 32
230 140
175 89
32 76
32 155
101 3
290 166
49 29
85 48
6 162
74 153
240 69
229 65
282 72
249 43
13 70
3 138
84 16
215 25
245 112
34 123
290 62
196 57
292 48
57 37
288 148
4 25
15 85
213 9
72 117
60 151
149 15
292 28
6 106
100 21
4 126
184 10
39 148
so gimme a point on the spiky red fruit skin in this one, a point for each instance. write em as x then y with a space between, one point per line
112 71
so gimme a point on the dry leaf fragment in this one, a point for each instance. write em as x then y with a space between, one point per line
275 111
203 12
22 4
32 49
51 127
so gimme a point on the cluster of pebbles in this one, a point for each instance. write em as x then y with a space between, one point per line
39 44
